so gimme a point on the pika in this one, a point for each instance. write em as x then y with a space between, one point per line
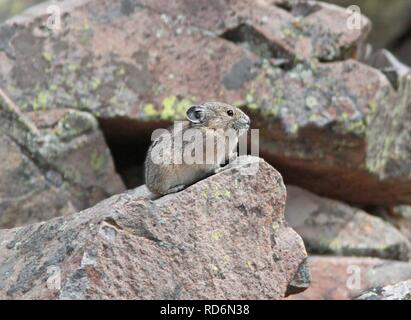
210 122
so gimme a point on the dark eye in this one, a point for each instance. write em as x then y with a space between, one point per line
198 114
230 113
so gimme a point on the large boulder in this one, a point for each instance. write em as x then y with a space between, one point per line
326 120
222 238
54 163
342 278
349 140
332 227
138 59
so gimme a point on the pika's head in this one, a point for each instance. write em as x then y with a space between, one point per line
218 115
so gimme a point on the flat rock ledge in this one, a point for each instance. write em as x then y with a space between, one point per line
222 238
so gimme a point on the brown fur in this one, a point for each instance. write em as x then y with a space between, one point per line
167 178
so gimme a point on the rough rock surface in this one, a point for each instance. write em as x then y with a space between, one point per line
342 278
400 217
389 65
403 211
332 227
136 64
54 163
399 291
224 237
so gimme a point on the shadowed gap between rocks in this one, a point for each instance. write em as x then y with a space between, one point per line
252 40
404 37
299 9
128 141
400 46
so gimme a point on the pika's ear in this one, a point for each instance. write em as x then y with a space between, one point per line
195 114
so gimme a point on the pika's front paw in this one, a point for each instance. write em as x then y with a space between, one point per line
218 169
233 156
175 189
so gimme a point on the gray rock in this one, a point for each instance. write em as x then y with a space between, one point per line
401 217
325 118
343 278
54 163
222 238
331 227
403 211
393 69
399 291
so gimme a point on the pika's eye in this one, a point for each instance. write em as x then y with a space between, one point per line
230 113
198 114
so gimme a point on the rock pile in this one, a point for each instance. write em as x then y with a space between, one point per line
77 108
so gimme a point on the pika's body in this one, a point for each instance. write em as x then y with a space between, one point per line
170 164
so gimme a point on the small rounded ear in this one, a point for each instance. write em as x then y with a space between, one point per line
195 114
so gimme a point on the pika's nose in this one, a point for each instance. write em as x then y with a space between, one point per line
245 120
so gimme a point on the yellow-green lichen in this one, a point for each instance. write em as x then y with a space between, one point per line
275 226
96 161
182 107
114 101
48 57
95 83
40 102
249 98
168 111
150 111
72 67
121 72
250 265
311 102
373 105
345 116
173 108
314 65
358 127
253 106
313 118
217 235
221 193
333 245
